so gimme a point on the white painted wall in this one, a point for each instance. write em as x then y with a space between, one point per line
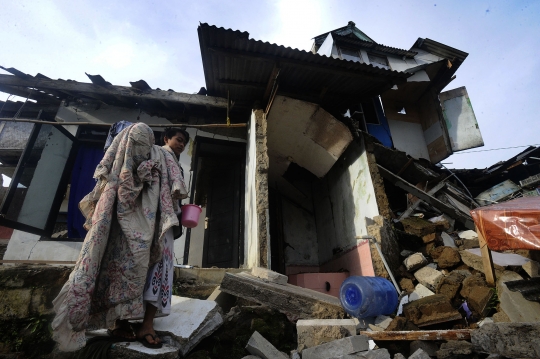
409 138
300 232
344 202
251 230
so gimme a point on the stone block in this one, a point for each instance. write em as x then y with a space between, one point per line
427 346
532 268
428 238
455 349
448 258
429 277
299 302
419 354
375 328
383 321
474 261
430 310
513 304
269 275
15 303
190 321
477 293
313 332
420 291
415 261
469 234
513 340
418 226
399 356
469 244
406 284
370 354
259 346
400 324
500 317
451 284
336 348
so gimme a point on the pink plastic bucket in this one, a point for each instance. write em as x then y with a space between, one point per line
190 215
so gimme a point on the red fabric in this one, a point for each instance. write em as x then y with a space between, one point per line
510 225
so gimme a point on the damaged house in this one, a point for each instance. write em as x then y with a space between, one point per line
314 151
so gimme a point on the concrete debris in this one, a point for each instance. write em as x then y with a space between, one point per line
450 285
477 293
251 357
415 261
429 347
136 350
262 348
383 321
420 291
428 238
448 240
486 320
503 259
289 299
407 285
532 268
224 300
336 348
313 332
376 328
419 354
513 340
469 234
429 277
190 321
517 308
468 244
455 349
418 227
399 356
448 257
430 310
370 354
475 261
269 275
401 324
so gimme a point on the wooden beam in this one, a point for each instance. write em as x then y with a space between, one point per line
487 261
443 207
456 334
413 206
90 90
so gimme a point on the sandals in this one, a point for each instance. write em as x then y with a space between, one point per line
113 333
147 344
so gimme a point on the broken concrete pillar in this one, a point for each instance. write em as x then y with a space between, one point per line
415 261
513 340
513 304
313 332
269 275
336 348
429 277
429 347
455 349
451 284
190 321
419 354
430 310
261 347
298 302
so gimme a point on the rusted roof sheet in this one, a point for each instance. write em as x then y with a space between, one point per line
243 67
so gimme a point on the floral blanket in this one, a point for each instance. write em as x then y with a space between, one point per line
128 213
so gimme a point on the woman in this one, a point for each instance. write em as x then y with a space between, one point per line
158 288
130 215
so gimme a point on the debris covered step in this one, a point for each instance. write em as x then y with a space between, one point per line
299 302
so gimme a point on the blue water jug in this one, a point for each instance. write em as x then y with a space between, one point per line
363 297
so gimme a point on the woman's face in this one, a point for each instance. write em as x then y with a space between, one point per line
177 143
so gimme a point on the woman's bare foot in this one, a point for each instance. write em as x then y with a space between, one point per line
145 332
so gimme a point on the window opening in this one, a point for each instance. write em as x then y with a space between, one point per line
379 61
349 54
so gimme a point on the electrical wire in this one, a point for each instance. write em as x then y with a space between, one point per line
494 149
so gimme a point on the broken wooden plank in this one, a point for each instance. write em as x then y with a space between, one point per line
401 183
294 301
90 90
487 261
413 206
455 334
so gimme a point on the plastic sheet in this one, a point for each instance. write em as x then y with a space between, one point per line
510 225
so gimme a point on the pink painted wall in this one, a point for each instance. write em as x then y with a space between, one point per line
356 260
317 281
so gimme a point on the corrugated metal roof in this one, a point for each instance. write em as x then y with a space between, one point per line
439 49
340 40
242 67
350 28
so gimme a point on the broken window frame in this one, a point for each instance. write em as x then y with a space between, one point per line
60 189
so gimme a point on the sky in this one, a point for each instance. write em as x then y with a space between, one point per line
157 41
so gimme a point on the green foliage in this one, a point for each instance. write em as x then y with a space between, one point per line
30 336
